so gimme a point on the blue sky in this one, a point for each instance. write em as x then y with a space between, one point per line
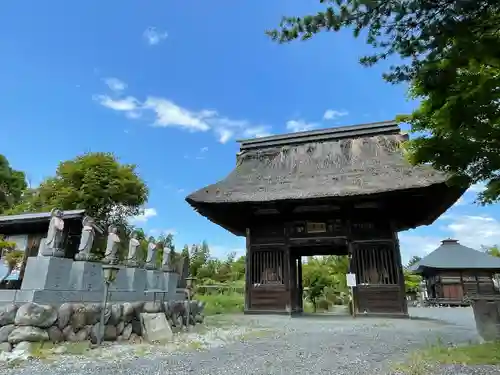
170 85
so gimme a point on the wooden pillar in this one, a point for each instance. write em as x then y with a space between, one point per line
300 291
287 261
352 262
401 276
248 272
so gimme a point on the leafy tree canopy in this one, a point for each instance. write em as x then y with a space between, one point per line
12 185
97 182
414 260
448 52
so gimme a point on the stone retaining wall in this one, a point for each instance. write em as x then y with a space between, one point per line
31 322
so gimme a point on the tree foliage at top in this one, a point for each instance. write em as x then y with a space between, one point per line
420 31
110 192
12 185
449 55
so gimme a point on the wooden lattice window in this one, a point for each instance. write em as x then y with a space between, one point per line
376 264
267 267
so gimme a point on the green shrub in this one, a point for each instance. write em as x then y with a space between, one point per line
230 303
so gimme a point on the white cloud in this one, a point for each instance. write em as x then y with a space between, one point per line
115 84
299 125
147 214
169 114
224 135
470 230
128 104
204 149
162 232
332 114
154 36
221 252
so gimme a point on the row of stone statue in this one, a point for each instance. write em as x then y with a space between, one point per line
53 245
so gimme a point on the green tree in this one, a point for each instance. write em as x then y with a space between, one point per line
418 31
448 52
198 255
460 117
414 260
315 279
110 192
492 250
12 185
11 257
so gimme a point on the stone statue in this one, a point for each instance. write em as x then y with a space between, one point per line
55 236
86 239
111 254
165 262
151 257
132 251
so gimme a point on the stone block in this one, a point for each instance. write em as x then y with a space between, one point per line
47 273
155 327
487 317
130 280
170 280
154 280
86 276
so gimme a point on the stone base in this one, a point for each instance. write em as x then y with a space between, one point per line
56 298
47 273
130 279
170 280
154 279
86 276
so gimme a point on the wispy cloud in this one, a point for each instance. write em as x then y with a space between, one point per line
154 35
162 232
115 84
166 113
300 125
147 214
128 104
333 114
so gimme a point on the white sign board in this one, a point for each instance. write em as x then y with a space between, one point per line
351 279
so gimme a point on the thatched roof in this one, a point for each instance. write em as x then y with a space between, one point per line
333 163
453 256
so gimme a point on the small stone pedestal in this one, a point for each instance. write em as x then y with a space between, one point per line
487 316
154 280
86 276
170 279
47 273
130 280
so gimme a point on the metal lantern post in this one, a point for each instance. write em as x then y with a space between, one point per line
109 272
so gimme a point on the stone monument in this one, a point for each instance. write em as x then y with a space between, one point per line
151 257
86 240
170 278
111 254
55 236
132 251
154 277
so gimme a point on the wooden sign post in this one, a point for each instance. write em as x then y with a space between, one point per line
351 283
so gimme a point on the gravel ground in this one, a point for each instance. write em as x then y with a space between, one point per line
281 345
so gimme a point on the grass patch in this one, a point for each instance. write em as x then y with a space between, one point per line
420 362
215 304
45 350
